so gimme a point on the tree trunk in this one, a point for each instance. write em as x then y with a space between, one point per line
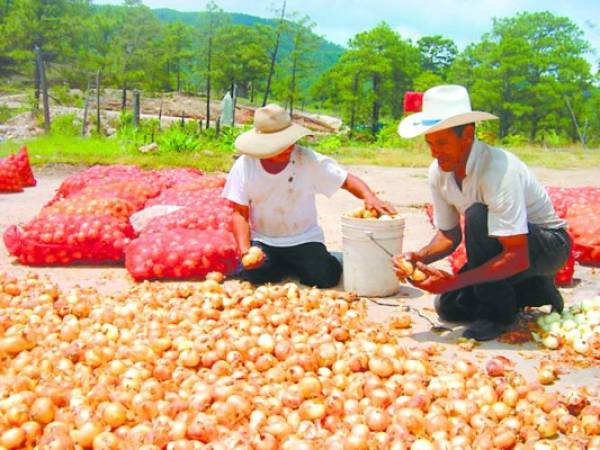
178 79
354 102
251 92
44 87
36 87
274 56
208 83
85 110
98 125
293 84
376 106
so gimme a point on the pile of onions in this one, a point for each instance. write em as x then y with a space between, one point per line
216 365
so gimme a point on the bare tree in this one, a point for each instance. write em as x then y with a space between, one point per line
278 33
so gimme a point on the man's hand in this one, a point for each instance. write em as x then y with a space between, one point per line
374 202
404 265
437 281
253 258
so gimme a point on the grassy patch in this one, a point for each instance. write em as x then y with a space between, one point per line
211 154
89 151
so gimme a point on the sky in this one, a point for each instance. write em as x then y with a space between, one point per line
464 21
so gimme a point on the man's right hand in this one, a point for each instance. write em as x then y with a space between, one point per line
404 265
253 258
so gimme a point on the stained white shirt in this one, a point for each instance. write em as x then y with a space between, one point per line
282 206
499 180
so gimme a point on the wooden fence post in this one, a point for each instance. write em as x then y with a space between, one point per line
136 108
85 110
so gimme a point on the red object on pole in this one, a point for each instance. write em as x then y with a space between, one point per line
413 102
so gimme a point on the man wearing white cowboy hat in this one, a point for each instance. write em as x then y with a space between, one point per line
515 242
273 187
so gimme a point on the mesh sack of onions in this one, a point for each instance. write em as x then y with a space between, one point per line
204 217
181 253
96 175
584 227
195 197
10 180
63 239
172 177
207 182
136 192
25 172
85 205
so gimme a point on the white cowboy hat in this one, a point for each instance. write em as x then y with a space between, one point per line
444 107
273 132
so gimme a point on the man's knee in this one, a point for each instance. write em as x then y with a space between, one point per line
325 276
455 306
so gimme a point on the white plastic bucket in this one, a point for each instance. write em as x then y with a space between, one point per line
368 270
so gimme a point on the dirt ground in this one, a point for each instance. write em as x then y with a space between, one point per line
407 189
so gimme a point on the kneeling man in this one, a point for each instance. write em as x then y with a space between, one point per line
273 187
515 242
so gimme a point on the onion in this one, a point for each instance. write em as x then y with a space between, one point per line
377 419
312 410
381 366
422 444
114 414
86 434
106 441
12 438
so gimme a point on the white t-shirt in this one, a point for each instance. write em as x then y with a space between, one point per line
282 206
499 180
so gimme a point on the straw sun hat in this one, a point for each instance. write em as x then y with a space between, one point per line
444 107
273 132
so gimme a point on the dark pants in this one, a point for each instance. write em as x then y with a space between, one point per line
310 262
500 301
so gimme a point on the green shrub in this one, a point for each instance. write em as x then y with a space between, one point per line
551 138
5 113
388 137
328 144
66 125
514 140
177 139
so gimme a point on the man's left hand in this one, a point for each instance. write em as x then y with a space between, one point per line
374 202
437 281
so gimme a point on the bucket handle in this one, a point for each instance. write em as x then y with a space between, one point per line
369 234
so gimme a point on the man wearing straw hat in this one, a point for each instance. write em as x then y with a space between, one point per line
515 242
273 186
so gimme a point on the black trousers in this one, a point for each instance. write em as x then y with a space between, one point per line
500 301
310 262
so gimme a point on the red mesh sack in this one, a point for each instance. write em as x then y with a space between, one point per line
60 240
84 205
136 192
181 253
96 175
196 197
201 183
25 172
584 227
564 277
413 102
172 177
202 217
10 180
